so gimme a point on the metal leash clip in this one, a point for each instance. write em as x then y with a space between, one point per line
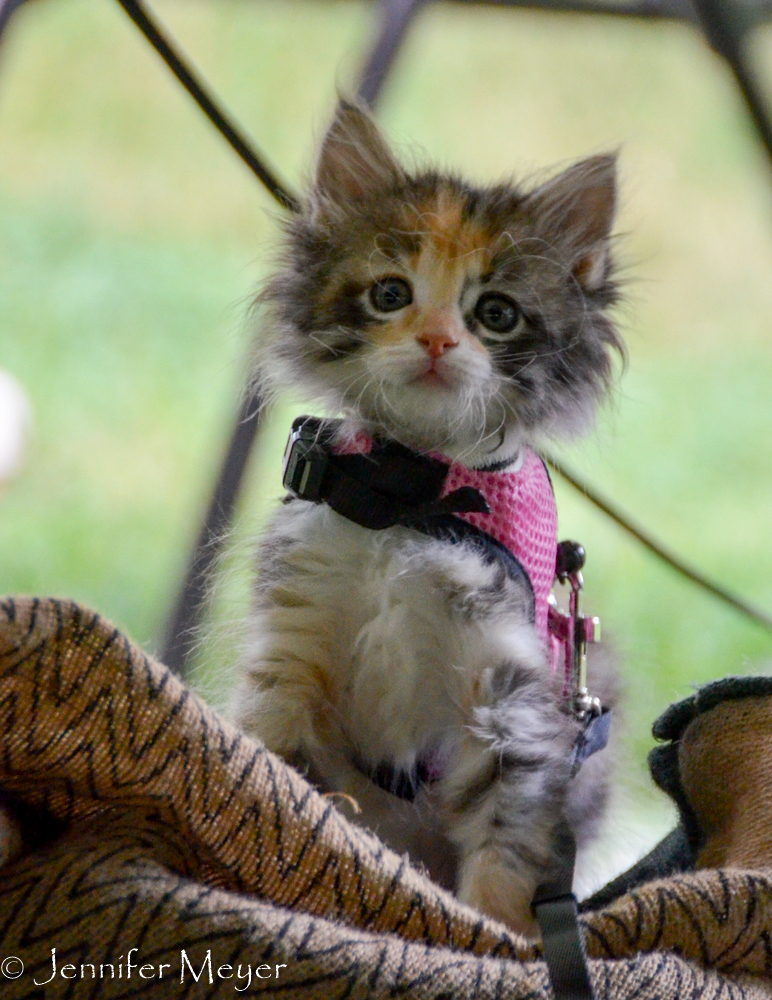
575 631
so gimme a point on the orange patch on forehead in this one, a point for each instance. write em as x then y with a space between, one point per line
450 235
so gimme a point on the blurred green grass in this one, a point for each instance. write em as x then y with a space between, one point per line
132 239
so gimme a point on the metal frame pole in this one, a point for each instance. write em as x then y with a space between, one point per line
727 32
396 17
7 9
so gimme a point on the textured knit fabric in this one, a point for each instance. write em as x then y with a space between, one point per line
168 831
523 518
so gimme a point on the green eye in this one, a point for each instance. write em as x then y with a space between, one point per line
498 313
390 294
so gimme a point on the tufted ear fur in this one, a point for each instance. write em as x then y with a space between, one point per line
354 160
576 209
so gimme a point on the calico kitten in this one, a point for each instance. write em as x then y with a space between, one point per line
467 323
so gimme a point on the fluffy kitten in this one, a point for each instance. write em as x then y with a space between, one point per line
468 323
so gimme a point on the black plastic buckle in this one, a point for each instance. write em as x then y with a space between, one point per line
305 460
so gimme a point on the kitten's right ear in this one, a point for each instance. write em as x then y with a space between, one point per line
354 160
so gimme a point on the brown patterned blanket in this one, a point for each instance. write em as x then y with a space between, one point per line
166 855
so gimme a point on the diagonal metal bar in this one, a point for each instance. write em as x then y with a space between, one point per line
213 112
726 27
679 10
181 631
625 522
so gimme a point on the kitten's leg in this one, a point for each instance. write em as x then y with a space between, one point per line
321 752
282 702
506 791
324 582
415 828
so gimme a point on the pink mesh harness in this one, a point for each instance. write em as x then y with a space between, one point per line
509 514
522 518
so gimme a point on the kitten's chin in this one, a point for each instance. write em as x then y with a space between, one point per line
430 415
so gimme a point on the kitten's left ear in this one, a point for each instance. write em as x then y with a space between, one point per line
576 209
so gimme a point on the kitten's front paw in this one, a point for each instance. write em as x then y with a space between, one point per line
505 893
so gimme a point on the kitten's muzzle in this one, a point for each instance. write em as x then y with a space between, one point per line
439 333
437 343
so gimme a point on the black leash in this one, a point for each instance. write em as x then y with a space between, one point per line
555 908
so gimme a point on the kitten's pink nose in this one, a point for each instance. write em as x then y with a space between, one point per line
438 336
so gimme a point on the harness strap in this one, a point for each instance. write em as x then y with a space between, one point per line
388 486
391 485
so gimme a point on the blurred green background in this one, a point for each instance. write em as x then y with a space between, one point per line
132 241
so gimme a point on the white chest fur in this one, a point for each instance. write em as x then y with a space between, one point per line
392 631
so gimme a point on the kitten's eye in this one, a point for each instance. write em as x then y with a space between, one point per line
390 294
498 313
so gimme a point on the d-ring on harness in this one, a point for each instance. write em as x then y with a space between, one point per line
509 517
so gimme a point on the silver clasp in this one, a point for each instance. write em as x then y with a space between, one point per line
575 631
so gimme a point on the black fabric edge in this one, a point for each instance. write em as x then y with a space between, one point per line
677 851
674 720
671 856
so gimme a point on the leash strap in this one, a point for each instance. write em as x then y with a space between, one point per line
554 906
554 903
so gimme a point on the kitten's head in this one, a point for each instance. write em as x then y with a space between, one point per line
443 314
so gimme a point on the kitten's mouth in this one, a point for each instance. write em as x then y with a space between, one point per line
432 376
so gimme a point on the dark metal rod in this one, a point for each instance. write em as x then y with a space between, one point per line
215 114
678 10
396 18
727 35
624 521
7 8
181 629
